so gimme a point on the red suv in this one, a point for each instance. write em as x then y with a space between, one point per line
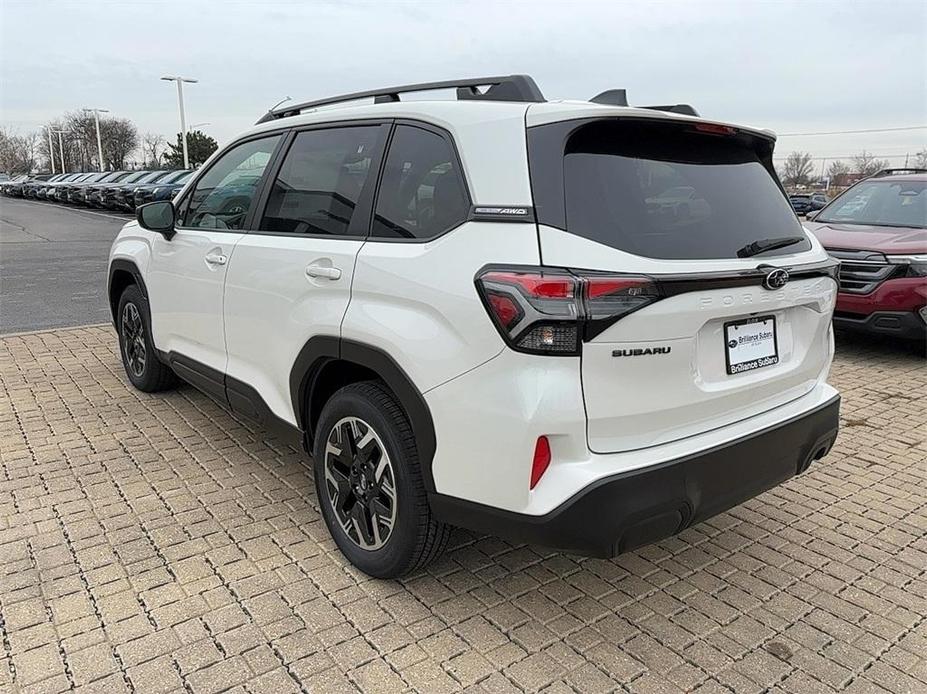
878 231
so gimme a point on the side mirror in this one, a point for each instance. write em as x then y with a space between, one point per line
812 214
157 216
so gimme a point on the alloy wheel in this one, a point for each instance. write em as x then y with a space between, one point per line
360 483
133 340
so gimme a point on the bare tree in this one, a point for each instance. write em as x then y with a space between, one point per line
797 168
120 139
920 159
867 164
82 136
18 153
837 168
152 149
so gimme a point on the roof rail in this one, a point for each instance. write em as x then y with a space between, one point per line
503 88
898 172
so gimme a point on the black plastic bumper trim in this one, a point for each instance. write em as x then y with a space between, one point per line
628 510
907 325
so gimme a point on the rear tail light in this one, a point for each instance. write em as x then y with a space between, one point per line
542 311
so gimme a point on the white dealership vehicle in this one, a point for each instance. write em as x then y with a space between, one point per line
483 312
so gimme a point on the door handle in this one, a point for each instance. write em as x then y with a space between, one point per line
331 273
216 259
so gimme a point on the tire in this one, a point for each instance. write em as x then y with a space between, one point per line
390 536
133 325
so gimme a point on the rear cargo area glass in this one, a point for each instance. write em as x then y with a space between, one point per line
670 191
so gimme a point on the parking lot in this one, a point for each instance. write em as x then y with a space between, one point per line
158 544
53 264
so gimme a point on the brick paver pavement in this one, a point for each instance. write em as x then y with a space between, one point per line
156 544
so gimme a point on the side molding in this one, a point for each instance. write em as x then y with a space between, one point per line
231 393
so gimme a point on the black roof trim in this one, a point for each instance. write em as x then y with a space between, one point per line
684 109
611 97
518 88
619 97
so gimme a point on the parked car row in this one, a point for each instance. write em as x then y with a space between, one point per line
803 203
114 190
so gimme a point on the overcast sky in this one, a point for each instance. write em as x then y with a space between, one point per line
793 67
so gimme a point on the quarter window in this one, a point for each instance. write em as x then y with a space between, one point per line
320 182
222 197
422 194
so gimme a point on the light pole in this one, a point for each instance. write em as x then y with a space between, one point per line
51 149
194 126
96 118
61 148
183 118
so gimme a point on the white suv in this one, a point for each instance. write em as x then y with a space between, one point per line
577 324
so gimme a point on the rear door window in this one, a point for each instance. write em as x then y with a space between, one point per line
670 191
422 194
320 182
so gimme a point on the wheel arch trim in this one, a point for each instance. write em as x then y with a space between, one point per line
322 349
123 265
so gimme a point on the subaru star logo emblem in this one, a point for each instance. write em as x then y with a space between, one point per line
776 279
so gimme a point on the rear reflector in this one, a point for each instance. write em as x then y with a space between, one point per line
541 460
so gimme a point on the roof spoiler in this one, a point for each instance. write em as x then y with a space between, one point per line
683 109
518 88
619 97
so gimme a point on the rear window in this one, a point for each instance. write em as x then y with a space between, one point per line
668 191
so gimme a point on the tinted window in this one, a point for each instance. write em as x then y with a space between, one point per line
887 203
176 176
422 193
665 191
112 177
223 196
133 178
320 182
153 176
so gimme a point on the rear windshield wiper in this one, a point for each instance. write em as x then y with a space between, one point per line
763 245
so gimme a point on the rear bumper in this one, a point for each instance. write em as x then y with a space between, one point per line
900 294
907 325
618 513
892 308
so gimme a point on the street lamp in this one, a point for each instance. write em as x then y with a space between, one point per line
61 148
51 149
183 119
96 118
194 126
